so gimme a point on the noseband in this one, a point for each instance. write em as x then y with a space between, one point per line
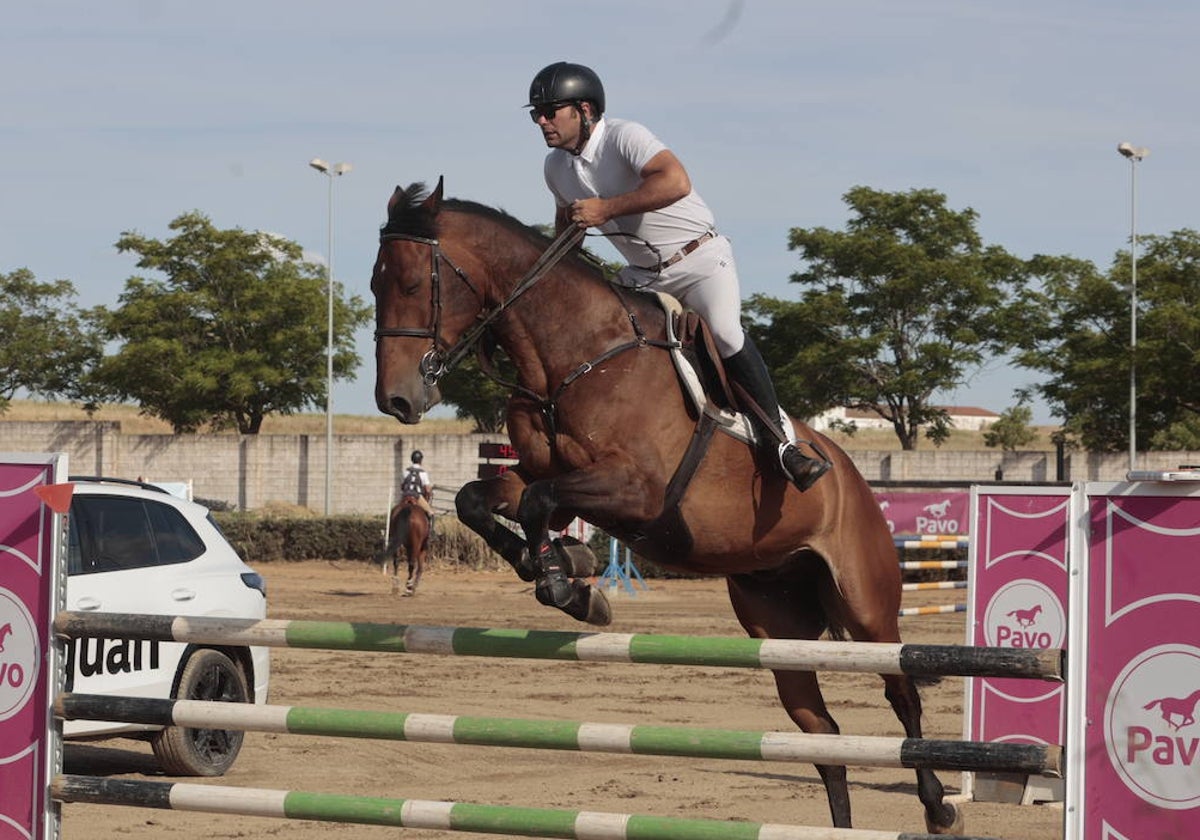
441 358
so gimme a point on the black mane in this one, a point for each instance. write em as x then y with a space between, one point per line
407 216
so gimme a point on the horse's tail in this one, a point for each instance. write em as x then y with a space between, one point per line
1152 704
397 532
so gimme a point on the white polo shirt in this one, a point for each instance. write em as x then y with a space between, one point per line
611 164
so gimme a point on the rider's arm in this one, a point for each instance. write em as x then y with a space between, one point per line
562 218
664 181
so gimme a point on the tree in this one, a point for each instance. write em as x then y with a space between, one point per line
48 344
1082 340
476 396
1012 430
905 302
235 332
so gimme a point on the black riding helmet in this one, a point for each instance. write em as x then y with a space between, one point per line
417 457
566 82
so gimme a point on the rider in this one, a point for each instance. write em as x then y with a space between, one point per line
615 175
417 485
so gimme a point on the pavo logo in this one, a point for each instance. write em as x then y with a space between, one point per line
1025 614
1150 726
19 655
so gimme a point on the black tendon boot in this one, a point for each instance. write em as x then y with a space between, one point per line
747 368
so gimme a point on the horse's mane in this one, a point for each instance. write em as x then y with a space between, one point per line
406 216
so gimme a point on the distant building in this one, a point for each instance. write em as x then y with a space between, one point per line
963 417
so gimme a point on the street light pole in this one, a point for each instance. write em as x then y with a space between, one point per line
1135 154
330 172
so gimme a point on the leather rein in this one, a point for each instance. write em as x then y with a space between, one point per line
442 357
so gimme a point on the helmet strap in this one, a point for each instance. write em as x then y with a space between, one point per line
585 128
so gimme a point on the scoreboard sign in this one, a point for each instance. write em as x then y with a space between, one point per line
500 451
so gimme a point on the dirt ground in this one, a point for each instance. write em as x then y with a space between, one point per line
597 692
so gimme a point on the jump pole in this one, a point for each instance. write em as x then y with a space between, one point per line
716 651
442 816
690 742
938 609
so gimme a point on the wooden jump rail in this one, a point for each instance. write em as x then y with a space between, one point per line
691 742
717 651
442 816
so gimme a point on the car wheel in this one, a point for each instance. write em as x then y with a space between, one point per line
207 675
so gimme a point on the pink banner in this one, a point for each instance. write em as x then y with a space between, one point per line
1018 597
27 569
938 513
1142 742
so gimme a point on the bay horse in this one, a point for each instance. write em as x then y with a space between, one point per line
408 531
601 426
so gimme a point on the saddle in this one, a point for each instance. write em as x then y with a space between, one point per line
701 373
714 406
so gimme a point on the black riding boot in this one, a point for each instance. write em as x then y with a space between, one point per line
747 368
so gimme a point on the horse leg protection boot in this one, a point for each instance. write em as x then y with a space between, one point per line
553 587
775 441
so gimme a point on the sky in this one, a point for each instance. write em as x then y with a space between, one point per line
122 115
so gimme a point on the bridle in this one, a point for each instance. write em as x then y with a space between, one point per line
441 357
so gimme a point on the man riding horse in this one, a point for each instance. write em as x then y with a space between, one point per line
615 175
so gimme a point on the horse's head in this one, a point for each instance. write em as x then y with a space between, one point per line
423 304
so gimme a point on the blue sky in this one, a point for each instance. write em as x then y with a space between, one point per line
122 115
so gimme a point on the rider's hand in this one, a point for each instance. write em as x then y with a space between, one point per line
589 212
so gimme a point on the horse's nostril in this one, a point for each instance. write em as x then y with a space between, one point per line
400 407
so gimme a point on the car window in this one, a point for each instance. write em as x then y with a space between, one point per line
110 533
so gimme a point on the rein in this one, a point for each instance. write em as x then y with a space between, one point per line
440 359
437 362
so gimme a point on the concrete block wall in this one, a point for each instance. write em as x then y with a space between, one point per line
250 472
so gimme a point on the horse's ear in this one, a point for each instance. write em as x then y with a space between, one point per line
396 196
434 202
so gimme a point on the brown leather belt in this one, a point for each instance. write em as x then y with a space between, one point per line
682 252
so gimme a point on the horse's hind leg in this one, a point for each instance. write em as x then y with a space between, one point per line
867 607
941 817
775 607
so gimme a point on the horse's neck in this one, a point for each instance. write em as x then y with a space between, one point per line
567 318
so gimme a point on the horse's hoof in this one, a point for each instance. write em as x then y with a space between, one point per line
595 608
953 824
407 593
576 558
525 568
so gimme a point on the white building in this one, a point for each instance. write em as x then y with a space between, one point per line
962 417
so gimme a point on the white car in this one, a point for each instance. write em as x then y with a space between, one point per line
135 548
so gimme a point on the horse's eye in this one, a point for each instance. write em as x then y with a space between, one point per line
410 289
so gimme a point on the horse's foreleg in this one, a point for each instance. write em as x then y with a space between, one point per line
595 491
476 503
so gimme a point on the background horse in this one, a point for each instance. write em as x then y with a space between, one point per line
408 530
592 444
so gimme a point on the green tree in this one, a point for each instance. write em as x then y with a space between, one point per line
1082 341
905 302
476 396
1012 430
235 331
48 344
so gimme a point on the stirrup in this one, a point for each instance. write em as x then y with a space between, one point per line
806 474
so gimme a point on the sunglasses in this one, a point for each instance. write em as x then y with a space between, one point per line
548 111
